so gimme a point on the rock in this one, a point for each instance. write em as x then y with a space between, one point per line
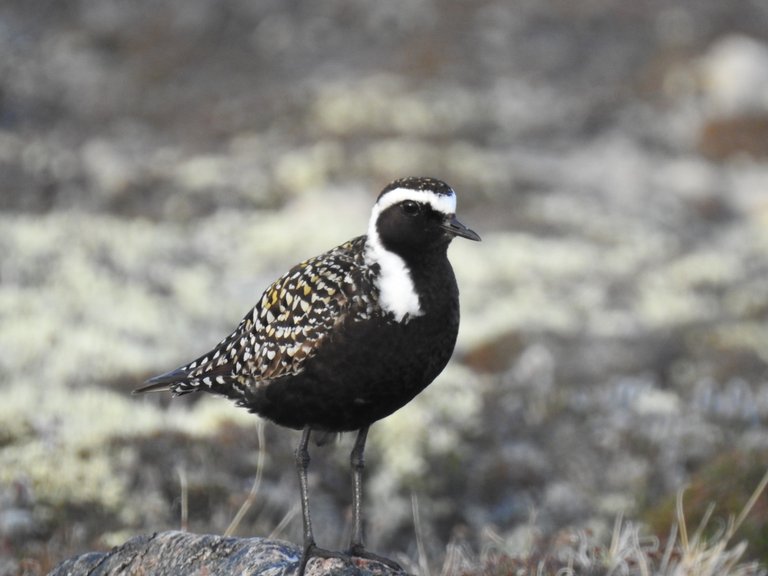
171 553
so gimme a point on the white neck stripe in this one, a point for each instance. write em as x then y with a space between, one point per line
397 293
445 203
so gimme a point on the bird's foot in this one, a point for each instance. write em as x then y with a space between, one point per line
358 551
355 551
313 550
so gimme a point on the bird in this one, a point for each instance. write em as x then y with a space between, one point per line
346 338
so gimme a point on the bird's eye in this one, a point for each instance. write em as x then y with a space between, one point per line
410 207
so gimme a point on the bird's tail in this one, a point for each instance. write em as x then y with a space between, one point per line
164 382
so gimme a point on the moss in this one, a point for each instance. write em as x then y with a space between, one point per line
309 168
382 104
61 440
66 460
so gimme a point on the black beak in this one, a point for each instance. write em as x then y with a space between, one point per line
456 228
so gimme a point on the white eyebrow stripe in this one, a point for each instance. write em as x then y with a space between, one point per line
397 292
445 203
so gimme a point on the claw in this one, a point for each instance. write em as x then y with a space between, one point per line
312 550
360 552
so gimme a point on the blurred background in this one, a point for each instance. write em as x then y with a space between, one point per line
162 162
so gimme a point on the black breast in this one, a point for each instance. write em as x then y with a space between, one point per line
369 369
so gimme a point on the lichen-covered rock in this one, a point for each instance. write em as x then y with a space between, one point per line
173 553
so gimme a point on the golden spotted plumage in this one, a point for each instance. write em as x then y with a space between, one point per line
288 325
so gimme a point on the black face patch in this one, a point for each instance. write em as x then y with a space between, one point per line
410 226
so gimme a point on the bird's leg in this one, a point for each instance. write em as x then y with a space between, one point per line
302 463
357 461
356 546
309 547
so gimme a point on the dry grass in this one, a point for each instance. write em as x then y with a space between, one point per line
256 482
629 552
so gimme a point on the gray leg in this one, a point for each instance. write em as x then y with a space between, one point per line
302 463
309 547
356 546
357 460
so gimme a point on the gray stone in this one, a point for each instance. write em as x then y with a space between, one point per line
173 553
